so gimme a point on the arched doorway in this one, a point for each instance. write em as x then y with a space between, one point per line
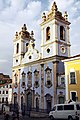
29 101
37 104
48 102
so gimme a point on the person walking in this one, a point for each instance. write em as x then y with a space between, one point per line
6 117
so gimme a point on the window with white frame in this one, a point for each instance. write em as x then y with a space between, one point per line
62 81
29 76
72 78
48 72
23 79
15 84
36 78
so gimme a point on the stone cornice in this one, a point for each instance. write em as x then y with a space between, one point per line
40 61
60 42
56 18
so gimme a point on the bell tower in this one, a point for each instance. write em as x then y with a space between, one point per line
21 42
55 34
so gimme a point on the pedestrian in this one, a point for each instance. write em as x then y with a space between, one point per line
13 115
6 117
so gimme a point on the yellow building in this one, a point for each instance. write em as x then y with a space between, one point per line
72 77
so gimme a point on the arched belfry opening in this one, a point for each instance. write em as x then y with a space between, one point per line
17 48
47 33
62 33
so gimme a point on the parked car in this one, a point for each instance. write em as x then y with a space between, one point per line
68 111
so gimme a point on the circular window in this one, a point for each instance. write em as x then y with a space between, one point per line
63 49
16 60
29 57
48 50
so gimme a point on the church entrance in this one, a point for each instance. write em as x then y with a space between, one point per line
29 101
48 105
48 102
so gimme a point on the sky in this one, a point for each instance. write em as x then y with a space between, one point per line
15 13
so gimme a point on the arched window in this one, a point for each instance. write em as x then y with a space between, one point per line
27 46
17 48
62 33
47 33
23 79
48 73
29 76
3 100
16 80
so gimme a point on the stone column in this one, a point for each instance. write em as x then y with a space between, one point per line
42 86
55 71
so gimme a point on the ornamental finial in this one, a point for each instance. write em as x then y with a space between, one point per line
54 7
24 27
32 34
66 16
16 35
44 17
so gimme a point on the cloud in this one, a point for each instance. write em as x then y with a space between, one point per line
73 8
14 13
3 61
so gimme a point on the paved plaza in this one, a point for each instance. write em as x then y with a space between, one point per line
24 118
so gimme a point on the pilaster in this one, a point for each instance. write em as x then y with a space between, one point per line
55 70
42 86
19 89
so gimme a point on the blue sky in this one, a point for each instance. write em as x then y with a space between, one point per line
14 13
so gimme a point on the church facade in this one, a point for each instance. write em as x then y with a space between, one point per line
38 77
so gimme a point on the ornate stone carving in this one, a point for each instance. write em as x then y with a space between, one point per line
48 77
29 76
36 79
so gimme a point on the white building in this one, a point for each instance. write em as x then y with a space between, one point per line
6 93
38 78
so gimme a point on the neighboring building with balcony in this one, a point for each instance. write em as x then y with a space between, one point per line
72 77
5 88
38 77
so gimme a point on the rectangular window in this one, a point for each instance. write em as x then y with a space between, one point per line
68 107
60 107
72 78
78 106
